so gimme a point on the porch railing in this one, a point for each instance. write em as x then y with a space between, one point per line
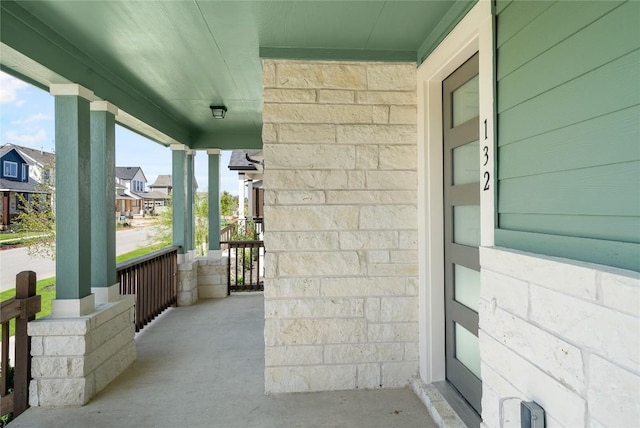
245 266
226 234
23 308
152 278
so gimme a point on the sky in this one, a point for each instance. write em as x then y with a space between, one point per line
27 119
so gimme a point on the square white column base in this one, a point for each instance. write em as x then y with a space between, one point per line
69 308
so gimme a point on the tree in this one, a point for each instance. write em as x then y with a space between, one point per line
228 204
37 217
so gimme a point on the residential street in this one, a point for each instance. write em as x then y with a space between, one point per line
16 260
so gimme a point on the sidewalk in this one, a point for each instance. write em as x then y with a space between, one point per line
203 366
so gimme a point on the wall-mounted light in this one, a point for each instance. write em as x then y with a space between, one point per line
218 112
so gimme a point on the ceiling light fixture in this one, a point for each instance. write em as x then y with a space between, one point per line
218 112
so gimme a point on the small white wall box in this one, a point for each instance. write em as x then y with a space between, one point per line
531 415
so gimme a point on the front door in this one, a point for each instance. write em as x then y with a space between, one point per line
462 229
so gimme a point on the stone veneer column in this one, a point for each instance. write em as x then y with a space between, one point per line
341 225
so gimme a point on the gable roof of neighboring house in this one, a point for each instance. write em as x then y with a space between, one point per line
163 180
37 156
6 148
128 172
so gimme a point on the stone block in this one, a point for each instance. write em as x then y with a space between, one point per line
310 156
302 241
57 367
317 113
411 351
391 77
614 393
366 157
314 331
309 133
372 309
305 179
268 74
566 277
408 240
356 179
386 97
110 329
382 269
269 133
413 285
393 332
292 356
312 218
292 287
398 374
37 347
395 217
380 114
289 96
368 240
558 400
621 292
362 286
404 256
403 115
363 353
319 264
368 197
314 308
556 357
65 392
270 265
392 180
588 325
48 326
105 312
509 293
66 345
109 347
336 97
402 157
301 197
378 256
368 376
309 378
376 134
293 74
398 309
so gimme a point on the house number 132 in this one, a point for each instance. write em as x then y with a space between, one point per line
485 154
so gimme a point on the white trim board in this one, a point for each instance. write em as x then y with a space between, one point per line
473 34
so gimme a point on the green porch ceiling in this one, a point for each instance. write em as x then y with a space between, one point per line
165 62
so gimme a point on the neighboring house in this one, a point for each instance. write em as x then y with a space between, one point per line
160 190
162 184
134 182
250 168
23 172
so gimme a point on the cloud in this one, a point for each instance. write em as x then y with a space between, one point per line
38 117
9 89
16 137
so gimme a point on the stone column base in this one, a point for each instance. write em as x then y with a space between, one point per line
212 277
187 283
75 358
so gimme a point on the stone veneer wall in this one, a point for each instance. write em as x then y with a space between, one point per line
201 278
564 335
340 225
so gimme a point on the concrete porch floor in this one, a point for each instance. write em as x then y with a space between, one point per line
203 366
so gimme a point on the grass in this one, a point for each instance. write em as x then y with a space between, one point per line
47 287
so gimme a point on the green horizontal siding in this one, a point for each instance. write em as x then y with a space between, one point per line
586 50
568 103
608 139
598 92
555 24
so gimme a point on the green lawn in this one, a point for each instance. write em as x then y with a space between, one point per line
47 287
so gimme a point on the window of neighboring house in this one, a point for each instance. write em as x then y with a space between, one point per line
10 169
25 172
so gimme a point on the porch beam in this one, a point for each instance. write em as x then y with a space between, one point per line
73 200
103 229
214 200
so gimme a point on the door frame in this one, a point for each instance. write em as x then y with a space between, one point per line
473 34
